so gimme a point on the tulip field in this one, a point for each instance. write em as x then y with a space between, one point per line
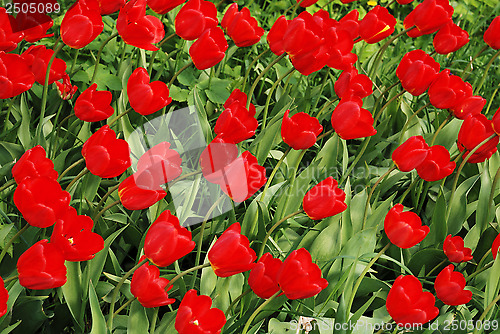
249 167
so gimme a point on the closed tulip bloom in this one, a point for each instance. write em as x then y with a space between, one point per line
162 7
146 97
432 15
73 236
149 287
33 26
139 192
41 201
4 297
450 286
231 253
236 123
408 23
324 200
34 163
299 277
263 278
15 75
240 97
243 29
167 241
350 121
160 164
377 24
110 6
416 71
407 303
495 246
350 83
404 2
209 49
473 131
454 249
37 58
410 154
41 267
82 23
340 47
404 229
195 316
93 105
216 158
138 29
450 38
492 34
105 155
275 35
196 17
350 24
300 131
436 165
447 91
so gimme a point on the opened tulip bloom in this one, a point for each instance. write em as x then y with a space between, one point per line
299 277
492 34
416 71
275 35
407 303
404 229
454 249
236 123
167 241
450 38
436 165
8 38
37 57
194 18
93 105
432 15
82 23
209 49
34 163
158 165
352 84
351 121
4 297
474 130
324 200
105 155
410 154
41 267
263 278
231 253
450 286
146 97
149 287
195 316
377 24
300 131
243 29
15 75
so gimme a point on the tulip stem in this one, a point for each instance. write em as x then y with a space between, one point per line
492 193
485 72
110 124
407 191
278 223
372 191
99 53
179 72
275 169
326 105
116 291
269 95
441 126
185 272
70 168
254 314
365 271
247 72
264 71
436 267
10 279
486 311
11 241
327 133
123 306
7 184
457 175
103 199
79 176
243 294
477 272
153 56
386 105
465 73
405 127
105 209
182 177
152 327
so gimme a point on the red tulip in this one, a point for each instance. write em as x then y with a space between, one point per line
454 249
473 131
33 26
34 163
492 34
37 57
471 105
408 23
93 105
495 246
138 192
66 89
243 29
4 297
196 17
236 123
410 154
299 277
350 121
350 23
324 200
450 38
149 287
377 24
408 304
416 71
195 316
404 229
450 286
495 122
216 158
300 131
240 97
162 7
105 155
8 36
231 254
111 6
404 2
146 97
138 29
82 23
275 35
431 15
41 201
263 278
352 84
167 241
447 91
209 49
306 3
436 165
15 76
73 236
339 45
41 267
159 165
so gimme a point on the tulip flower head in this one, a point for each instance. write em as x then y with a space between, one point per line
93 105
34 163
404 229
263 278
450 286
82 23
410 154
324 200
195 316
149 287
243 29
300 131
454 249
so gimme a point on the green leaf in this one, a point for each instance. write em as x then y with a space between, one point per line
72 290
98 321
137 319
484 213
